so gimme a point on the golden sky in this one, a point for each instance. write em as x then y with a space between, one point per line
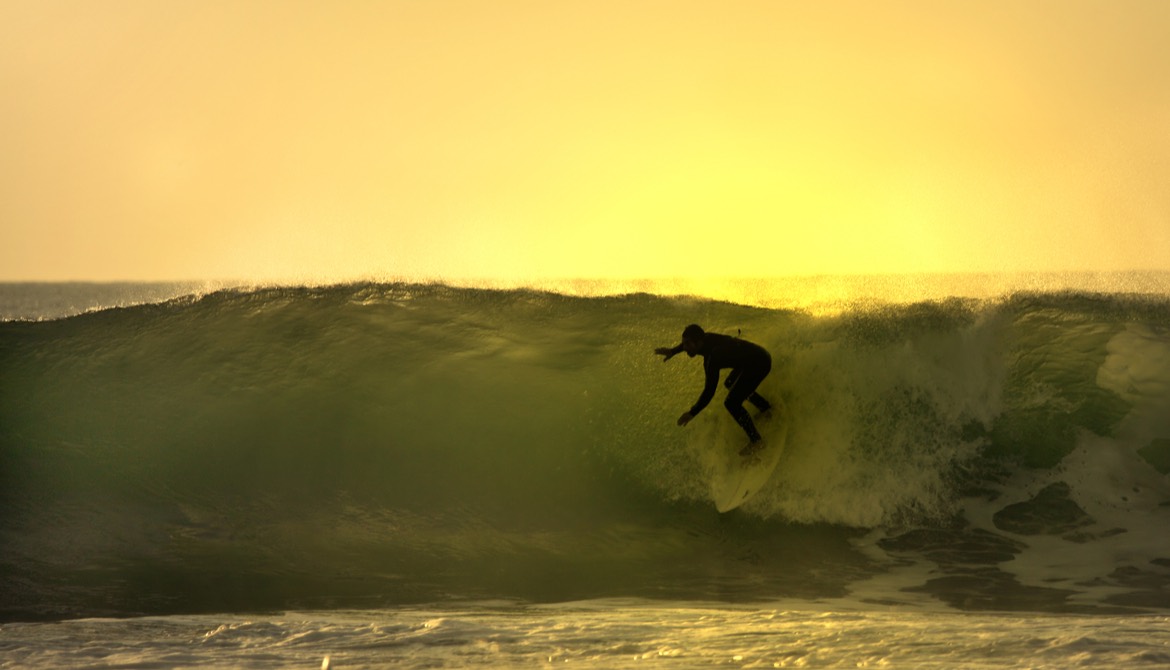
254 139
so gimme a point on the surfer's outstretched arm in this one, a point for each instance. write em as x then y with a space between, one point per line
711 374
668 352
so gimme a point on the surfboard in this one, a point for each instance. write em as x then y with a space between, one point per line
738 478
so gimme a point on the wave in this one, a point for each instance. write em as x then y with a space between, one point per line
401 443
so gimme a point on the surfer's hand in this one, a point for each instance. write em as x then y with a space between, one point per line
685 418
665 352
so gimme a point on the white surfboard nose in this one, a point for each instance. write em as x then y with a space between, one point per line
738 477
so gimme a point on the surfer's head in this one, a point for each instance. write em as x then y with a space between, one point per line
692 339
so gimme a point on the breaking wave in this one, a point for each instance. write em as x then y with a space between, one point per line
390 443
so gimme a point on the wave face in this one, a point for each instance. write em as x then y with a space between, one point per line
384 444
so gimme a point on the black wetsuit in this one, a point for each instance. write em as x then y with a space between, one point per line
749 364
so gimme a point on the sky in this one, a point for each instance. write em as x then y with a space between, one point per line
507 139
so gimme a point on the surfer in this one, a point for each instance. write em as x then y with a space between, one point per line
749 363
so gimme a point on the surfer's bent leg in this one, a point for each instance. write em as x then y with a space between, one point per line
745 389
743 419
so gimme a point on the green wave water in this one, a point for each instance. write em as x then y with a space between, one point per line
375 445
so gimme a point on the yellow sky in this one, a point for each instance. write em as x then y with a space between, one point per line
502 139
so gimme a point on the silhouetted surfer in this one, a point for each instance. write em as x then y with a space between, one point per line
749 364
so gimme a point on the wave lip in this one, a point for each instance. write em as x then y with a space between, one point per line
816 294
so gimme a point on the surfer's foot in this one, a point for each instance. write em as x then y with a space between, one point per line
752 448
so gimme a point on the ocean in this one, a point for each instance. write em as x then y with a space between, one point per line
440 475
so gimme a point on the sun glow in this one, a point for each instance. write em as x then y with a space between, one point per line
602 140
